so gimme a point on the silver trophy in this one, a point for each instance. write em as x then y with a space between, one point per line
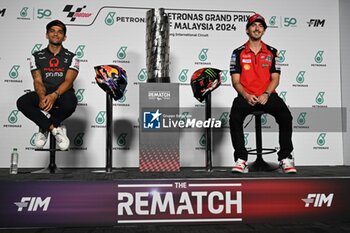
157 46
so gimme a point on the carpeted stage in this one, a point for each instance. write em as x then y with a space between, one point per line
311 213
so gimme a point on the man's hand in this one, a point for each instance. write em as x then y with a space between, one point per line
263 99
251 99
47 102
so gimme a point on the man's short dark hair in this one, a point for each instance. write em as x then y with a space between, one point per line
56 23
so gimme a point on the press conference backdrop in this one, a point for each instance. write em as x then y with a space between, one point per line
202 34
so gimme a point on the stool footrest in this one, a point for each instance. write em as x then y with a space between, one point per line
264 151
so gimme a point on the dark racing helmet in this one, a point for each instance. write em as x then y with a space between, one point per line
204 81
112 79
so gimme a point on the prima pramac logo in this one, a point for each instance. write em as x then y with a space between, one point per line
109 19
183 75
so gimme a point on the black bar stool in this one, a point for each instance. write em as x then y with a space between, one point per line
52 167
259 164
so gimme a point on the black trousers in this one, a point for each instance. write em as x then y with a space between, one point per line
276 107
64 107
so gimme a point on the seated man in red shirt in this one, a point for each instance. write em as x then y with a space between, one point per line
255 77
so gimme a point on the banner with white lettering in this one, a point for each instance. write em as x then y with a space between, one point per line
202 34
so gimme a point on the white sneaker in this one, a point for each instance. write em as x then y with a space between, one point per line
40 139
240 166
287 166
61 138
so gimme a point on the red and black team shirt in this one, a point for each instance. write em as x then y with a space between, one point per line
53 68
255 70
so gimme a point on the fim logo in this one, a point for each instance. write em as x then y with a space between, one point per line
316 22
33 204
318 200
151 120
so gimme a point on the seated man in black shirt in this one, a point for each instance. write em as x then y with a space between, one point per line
54 70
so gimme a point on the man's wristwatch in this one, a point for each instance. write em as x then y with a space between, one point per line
267 93
58 95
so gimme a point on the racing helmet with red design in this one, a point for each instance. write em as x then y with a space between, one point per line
112 79
204 81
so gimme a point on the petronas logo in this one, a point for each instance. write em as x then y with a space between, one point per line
121 54
109 20
203 55
100 118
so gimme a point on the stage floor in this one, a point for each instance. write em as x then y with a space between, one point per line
91 174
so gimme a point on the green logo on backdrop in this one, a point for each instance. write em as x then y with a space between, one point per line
79 139
14 71
301 118
12 118
281 56
202 140
319 56
123 99
121 54
320 97
224 76
263 119
183 75
32 140
41 13
290 22
246 138
183 116
203 55
300 77
121 140
109 20
142 76
321 139
24 12
272 20
80 51
100 118
224 118
80 95
36 48
283 95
